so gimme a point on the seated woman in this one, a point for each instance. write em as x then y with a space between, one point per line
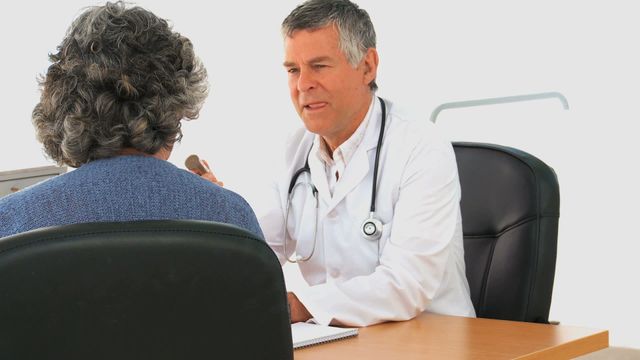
111 106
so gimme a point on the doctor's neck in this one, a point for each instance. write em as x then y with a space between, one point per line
332 143
344 129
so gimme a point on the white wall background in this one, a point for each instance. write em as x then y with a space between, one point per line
431 52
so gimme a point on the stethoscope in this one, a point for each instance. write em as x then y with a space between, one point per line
371 228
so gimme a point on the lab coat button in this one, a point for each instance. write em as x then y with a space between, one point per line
334 273
331 214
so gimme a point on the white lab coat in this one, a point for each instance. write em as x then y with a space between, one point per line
417 265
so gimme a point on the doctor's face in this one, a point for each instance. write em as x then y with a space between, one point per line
330 95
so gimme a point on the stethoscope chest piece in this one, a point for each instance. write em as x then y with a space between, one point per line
372 228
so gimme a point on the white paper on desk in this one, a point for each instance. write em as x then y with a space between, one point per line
306 334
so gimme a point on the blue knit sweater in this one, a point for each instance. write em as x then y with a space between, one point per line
123 188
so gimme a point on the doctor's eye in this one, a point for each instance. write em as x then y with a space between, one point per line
292 70
319 66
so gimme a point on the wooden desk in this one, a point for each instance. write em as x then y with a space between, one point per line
432 336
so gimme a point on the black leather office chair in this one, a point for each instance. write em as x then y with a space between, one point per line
142 290
510 210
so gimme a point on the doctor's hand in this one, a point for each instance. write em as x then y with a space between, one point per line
208 174
299 313
201 168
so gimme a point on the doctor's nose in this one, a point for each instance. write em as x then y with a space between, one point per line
306 81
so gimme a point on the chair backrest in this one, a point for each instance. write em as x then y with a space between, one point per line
142 290
510 210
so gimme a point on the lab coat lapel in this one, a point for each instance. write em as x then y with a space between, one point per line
319 175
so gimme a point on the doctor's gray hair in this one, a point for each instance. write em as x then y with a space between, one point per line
121 78
354 26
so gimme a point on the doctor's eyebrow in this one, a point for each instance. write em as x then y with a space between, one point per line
315 60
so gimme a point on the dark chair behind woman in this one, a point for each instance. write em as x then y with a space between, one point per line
142 290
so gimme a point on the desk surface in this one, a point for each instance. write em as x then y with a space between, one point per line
449 337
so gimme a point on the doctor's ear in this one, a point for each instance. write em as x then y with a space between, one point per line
370 63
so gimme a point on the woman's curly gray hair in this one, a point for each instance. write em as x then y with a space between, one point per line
121 79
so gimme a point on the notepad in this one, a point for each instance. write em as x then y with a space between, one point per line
306 334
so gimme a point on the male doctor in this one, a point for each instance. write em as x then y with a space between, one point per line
362 267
